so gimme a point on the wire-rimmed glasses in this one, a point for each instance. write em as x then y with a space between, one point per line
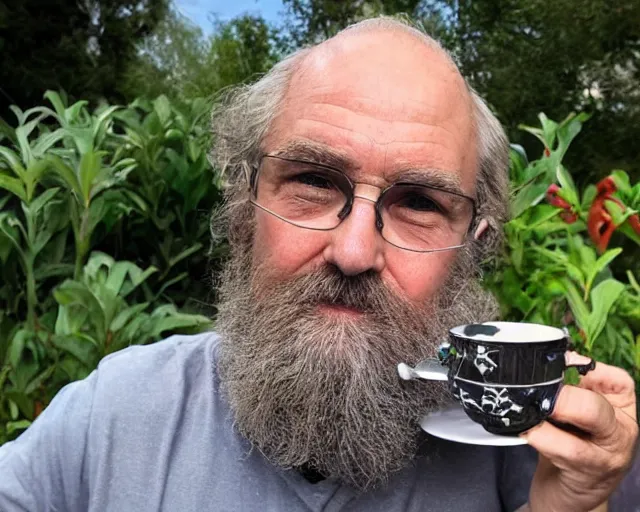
410 216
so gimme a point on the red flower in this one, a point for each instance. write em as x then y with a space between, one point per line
569 217
599 223
553 196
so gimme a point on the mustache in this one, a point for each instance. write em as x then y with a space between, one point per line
365 292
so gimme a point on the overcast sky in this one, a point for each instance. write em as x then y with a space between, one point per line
199 11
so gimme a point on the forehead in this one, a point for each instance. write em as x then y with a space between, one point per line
382 100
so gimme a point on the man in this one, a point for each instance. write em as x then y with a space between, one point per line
365 183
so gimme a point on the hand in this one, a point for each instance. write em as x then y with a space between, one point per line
577 472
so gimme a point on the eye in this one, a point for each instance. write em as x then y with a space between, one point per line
314 180
419 202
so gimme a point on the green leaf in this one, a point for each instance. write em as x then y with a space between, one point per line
45 142
42 200
587 197
13 185
568 186
14 426
58 270
56 101
66 173
162 106
73 293
603 296
527 197
81 346
568 130
39 380
90 164
119 272
518 156
185 254
13 410
578 306
512 291
22 134
621 179
171 282
541 214
549 129
601 263
17 346
124 316
102 120
629 232
72 113
82 138
136 280
13 160
619 214
167 318
536 132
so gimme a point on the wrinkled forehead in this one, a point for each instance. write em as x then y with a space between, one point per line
382 98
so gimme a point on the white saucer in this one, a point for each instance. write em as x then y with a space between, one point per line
454 425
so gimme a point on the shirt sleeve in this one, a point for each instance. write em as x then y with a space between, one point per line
626 498
518 466
43 468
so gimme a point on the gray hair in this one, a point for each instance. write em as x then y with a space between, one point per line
243 117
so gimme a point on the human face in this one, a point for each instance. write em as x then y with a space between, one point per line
376 105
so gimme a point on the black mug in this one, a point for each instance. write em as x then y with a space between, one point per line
507 375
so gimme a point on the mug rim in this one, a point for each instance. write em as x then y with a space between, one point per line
498 385
554 333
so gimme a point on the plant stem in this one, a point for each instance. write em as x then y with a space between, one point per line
32 298
82 244
29 260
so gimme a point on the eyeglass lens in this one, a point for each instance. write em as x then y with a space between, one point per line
414 217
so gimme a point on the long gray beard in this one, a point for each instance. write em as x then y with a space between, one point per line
310 390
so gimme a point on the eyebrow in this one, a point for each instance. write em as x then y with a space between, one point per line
429 177
317 153
322 154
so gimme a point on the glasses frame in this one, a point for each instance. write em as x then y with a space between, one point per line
346 210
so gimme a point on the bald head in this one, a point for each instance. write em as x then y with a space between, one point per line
385 100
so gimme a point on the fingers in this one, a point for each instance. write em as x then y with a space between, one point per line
586 410
613 383
570 452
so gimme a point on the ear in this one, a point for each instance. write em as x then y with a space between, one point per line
483 225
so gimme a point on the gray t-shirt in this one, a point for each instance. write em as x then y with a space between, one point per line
149 430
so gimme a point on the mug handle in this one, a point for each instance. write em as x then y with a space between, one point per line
583 368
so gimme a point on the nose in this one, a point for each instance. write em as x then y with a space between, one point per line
356 246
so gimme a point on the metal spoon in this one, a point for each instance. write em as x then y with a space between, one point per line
429 369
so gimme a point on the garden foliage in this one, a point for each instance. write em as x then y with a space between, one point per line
103 236
556 267
104 243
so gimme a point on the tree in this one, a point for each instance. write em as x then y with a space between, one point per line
82 47
527 56
312 20
178 60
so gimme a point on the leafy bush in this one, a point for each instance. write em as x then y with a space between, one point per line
556 268
75 185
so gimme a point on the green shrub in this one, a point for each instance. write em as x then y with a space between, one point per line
556 267
75 185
